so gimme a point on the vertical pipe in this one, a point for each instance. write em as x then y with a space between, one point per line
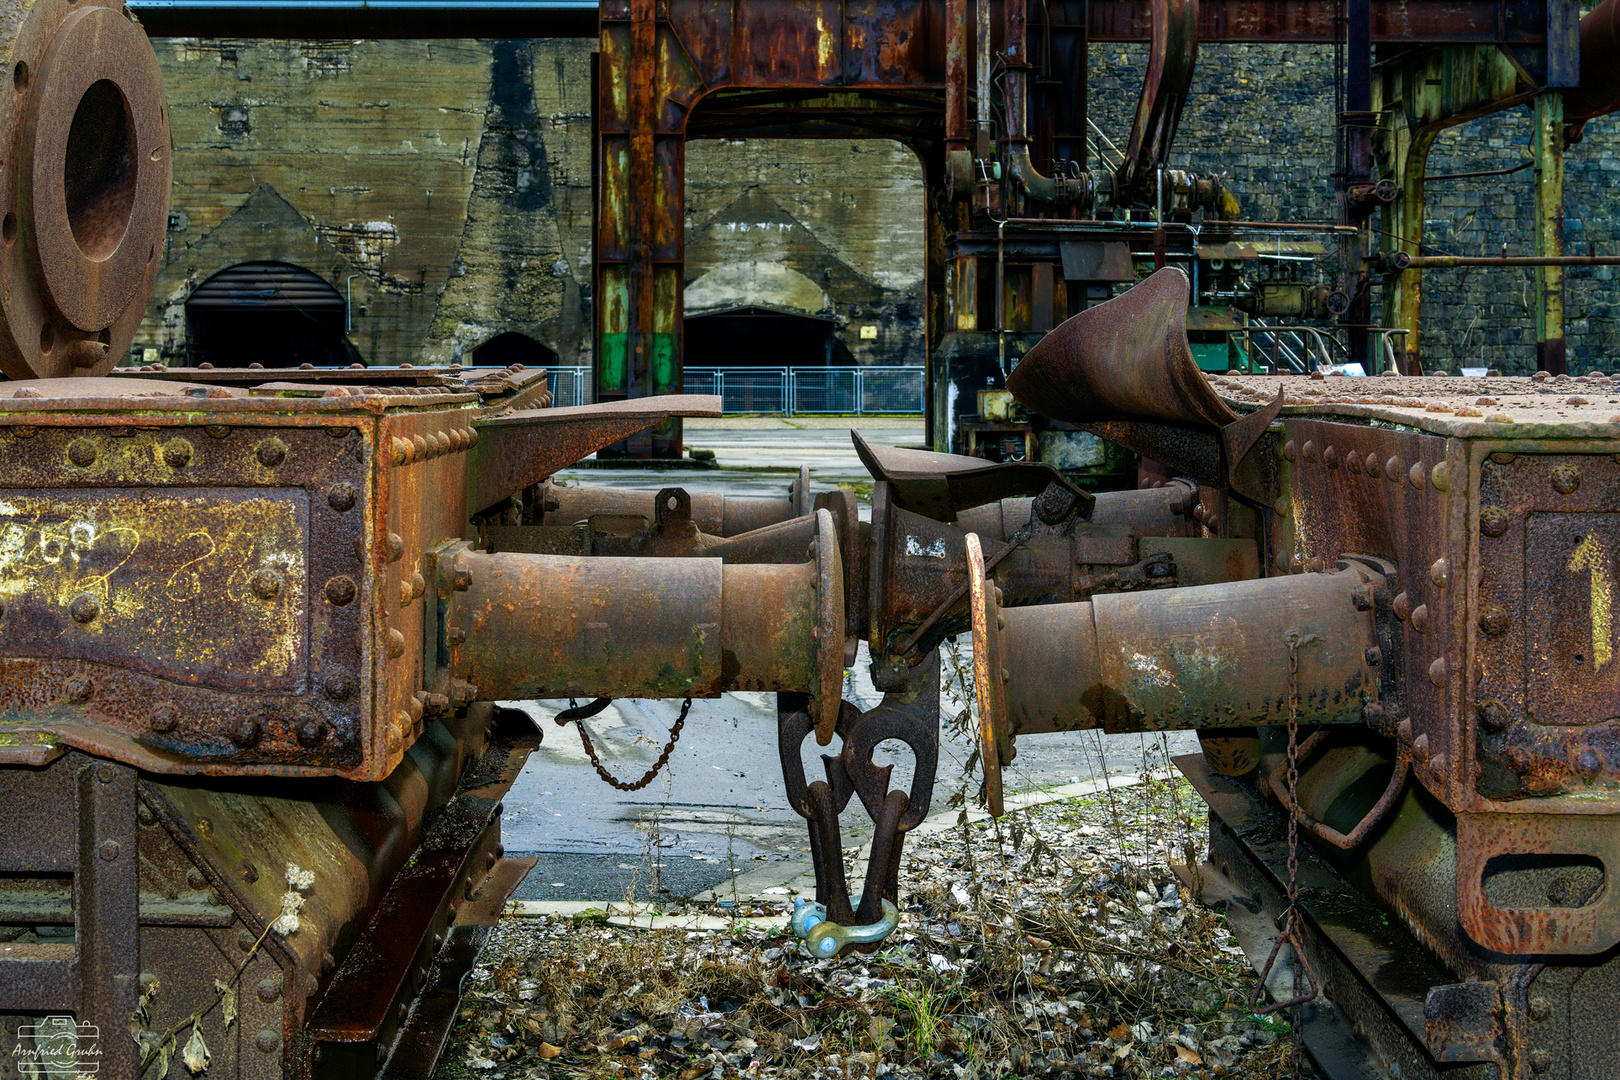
982 59
1358 165
1549 148
955 76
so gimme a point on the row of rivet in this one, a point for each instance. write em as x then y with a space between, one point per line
434 444
1394 468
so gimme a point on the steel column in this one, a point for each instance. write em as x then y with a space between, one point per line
1549 154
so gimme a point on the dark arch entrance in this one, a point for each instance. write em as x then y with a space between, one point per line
504 350
758 336
268 313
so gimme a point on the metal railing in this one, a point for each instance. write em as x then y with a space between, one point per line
1302 349
828 391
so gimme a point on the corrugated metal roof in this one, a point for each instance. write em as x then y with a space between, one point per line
266 285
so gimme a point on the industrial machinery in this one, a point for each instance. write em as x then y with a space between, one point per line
253 628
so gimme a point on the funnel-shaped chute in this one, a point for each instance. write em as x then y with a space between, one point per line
1127 359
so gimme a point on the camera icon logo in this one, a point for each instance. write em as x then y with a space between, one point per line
57 1048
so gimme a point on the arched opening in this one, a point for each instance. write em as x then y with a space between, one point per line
268 313
753 335
504 350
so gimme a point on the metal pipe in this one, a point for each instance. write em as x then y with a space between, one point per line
955 76
1212 655
982 60
1440 262
1487 172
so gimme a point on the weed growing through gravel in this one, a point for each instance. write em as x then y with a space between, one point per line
1055 942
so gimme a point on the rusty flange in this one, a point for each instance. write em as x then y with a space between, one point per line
84 168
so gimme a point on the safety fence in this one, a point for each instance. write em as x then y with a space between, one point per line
835 391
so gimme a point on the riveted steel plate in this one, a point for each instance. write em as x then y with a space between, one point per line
199 586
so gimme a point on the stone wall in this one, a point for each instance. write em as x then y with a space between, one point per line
447 185
1262 117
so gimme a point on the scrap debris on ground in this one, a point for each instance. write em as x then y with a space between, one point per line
1056 942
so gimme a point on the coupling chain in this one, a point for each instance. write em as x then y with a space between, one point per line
1290 933
577 714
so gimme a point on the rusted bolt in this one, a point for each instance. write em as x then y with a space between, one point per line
247 733
105 774
1281 562
1501 458
217 431
177 453
1372 713
434 704
342 496
145 815
1440 477
1494 620
1565 478
1437 671
109 850
1493 520
418 584
1006 675
405 594
1440 572
195 879
1330 457
328 962
462 693
1420 618
1362 597
1540 1061
82 452
401 451
269 989
1540 1008
339 686
1352 462
244 940
1415 475
1310 451
393 547
1296 563
79 690
84 608
455 635
250 873
1420 749
1313 565
340 590
1199 513
271 452
460 579
1492 714
1290 451
396 644
414 709
265 583
267 1041
1394 468
1374 656
312 732
1588 762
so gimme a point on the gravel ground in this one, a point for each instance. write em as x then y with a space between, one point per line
1056 942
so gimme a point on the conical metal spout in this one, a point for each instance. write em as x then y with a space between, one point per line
1127 359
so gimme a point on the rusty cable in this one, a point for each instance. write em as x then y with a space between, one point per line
578 713
1290 931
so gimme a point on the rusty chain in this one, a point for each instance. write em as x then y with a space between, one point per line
576 714
1290 930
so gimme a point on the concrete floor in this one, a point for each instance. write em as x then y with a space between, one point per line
719 806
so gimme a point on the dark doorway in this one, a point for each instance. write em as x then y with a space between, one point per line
268 313
755 336
504 350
